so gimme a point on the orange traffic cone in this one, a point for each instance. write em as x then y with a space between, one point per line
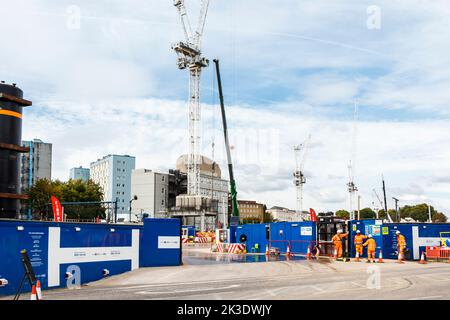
308 254
422 259
267 250
288 251
400 257
38 290
357 257
380 257
33 293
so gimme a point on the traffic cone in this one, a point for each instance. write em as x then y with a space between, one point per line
422 259
33 293
357 257
380 257
308 254
267 250
38 290
288 251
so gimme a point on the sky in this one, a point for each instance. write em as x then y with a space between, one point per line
103 80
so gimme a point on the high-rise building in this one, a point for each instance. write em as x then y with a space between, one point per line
35 165
113 174
152 191
80 173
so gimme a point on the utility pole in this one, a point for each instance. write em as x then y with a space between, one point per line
359 207
429 214
396 208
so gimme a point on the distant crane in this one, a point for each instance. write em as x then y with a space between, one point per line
382 205
190 57
233 190
299 178
352 189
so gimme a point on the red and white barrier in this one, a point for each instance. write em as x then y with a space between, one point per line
236 248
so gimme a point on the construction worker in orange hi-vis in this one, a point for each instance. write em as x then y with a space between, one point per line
359 241
337 241
401 245
371 247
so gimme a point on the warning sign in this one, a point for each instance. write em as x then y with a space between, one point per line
306 231
385 231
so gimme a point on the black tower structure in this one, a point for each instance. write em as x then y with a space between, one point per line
11 106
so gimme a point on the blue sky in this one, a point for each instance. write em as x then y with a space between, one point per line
289 67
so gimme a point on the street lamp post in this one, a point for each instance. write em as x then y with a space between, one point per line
131 201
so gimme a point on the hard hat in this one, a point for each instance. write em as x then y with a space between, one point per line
370 236
357 231
339 231
398 232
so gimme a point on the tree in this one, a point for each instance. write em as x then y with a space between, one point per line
439 217
267 217
367 213
343 214
420 213
71 191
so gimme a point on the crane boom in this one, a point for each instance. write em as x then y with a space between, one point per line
233 190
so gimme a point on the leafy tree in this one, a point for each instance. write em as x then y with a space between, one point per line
267 217
439 217
367 213
71 191
343 214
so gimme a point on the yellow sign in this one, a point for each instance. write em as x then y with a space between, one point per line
385 231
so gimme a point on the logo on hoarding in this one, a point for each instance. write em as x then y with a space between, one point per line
168 242
306 231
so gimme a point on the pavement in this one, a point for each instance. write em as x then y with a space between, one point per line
294 279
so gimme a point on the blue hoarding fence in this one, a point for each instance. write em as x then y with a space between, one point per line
84 250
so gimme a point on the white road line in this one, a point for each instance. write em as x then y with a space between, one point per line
187 291
423 298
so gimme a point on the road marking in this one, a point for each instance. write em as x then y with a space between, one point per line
423 298
200 291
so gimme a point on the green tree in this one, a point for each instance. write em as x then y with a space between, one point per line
439 217
71 191
267 217
343 214
367 213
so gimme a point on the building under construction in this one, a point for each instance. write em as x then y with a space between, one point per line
11 106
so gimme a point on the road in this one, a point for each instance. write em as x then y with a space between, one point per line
296 279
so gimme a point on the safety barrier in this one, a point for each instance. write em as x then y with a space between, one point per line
236 248
438 253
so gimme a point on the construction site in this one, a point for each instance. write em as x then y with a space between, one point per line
200 245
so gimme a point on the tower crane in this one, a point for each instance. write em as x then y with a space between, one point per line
190 57
299 178
352 189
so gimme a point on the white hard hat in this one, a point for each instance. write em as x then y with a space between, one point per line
398 232
339 231
370 236
357 231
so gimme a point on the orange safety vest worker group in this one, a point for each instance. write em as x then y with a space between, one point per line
337 241
401 245
371 247
359 241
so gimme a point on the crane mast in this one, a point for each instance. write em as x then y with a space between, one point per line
190 57
352 189
299 177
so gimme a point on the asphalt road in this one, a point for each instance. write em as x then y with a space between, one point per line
296 279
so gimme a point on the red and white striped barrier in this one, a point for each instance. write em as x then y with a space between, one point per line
220 247
236 248
203 239
185 240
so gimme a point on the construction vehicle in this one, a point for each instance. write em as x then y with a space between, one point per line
234 203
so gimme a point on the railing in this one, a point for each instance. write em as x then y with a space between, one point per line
296 246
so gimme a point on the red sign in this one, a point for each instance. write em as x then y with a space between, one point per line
313 215
57 210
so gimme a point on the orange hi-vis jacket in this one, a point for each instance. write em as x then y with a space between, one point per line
359 240
401 242
371 244
337 238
